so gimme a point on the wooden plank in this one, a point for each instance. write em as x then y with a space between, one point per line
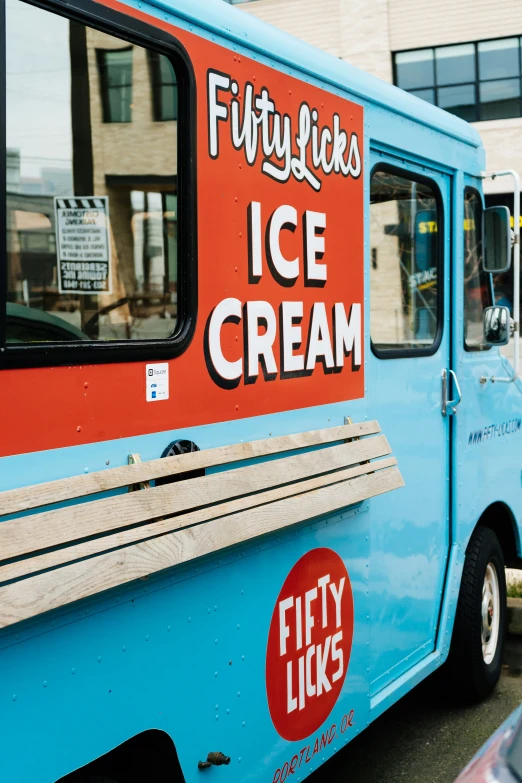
24 498
52 589
60 526
60 557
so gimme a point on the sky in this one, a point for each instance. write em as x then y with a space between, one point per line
38 88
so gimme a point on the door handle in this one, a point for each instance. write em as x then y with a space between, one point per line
449 407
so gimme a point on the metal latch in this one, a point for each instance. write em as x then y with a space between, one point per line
449 407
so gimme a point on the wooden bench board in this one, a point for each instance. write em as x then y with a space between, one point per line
59 526
13 501
59 557
56 556
52 589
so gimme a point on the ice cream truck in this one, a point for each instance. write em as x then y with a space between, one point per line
260 449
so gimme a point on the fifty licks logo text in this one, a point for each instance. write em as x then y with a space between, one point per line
262 127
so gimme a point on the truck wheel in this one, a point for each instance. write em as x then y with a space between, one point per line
477 644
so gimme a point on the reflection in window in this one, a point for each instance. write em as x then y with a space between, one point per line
475 81
164 88
404 287
91 209
116 84
477 294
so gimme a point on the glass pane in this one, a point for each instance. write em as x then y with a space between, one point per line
167 73
404 288
91 214
459 100
415 69
426 95
455 64
115 83
118 67
477 294
498 59
168 102
500 99
119 101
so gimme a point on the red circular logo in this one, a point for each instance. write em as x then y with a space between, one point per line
309 644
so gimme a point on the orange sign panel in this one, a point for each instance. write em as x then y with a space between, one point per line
280 269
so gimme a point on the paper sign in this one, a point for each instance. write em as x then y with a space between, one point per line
157 382
83 246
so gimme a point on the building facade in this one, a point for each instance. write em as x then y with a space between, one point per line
465 56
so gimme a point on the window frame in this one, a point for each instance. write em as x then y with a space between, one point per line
48 354
156 87
477 80
414 176
483 346
105 87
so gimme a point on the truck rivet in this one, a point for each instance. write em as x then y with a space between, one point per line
123 649
243 724
45 683
168 627
99 658
73 671
217 706
78 428
215 674
147 638
14 697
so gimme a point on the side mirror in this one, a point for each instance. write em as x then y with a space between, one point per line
497 325
497 240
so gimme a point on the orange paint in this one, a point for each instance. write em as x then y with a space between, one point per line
49 408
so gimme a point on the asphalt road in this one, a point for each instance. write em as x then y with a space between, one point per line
425 738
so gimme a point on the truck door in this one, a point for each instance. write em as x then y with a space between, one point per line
488 428
410 348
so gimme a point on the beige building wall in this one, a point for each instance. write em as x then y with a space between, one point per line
366 32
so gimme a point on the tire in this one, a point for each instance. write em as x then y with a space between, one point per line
475 657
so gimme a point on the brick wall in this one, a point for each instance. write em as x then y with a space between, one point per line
366 32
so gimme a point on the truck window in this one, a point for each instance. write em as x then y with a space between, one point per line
477 290
405 295
92 183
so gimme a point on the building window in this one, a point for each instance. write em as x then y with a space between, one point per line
115 68
164 88
475 81
477 288
406 269
93 216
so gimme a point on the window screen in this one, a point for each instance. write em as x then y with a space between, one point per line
92 185
405 221
477 293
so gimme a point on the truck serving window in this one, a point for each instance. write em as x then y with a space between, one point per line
92 191
405 294
477 290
